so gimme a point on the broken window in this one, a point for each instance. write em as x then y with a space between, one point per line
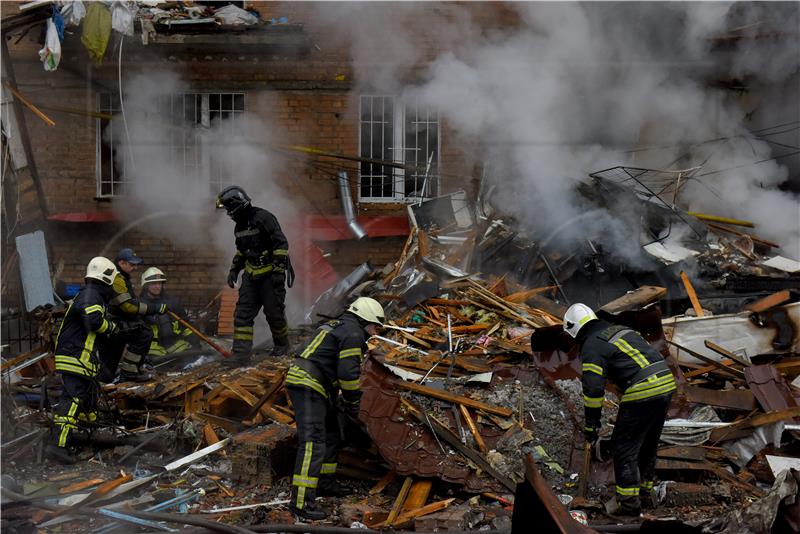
196 123
407 133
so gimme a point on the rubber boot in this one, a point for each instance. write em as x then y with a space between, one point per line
629 505
330 487
281 347
61 455
236 361
310 512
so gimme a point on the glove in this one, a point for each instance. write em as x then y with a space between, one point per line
233 276
590 433
130 327
281 263
113 328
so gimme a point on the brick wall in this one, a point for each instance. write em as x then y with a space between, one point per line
308 100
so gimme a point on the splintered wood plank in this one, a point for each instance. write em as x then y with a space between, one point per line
211 436
387 479
193 401
419 512
417 495
249 398
698 309
455 399
77 486
399 500
770 301
635 300
521 296
473 428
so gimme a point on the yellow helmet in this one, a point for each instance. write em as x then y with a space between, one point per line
368 309
153 274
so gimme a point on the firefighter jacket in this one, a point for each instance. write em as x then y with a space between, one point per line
622 356
166 331
124 303
261 246
85 319
331 360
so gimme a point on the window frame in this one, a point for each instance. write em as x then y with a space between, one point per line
214 182
400 108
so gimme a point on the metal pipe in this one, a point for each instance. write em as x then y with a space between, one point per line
193 520
347 207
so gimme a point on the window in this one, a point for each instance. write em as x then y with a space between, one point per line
407 133
187 116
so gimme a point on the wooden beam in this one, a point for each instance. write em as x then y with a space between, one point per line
456 399
636 299
387 479
443 432
473 428
692 295
417 495
770 301
729 370
399 500
728 354
756 239
431 508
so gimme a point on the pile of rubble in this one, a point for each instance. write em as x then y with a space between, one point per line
471 402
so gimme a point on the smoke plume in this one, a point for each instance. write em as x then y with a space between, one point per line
554 91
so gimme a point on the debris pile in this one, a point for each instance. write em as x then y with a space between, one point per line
471 400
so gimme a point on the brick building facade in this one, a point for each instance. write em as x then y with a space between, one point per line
294 78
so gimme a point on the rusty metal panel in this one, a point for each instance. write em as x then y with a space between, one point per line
537 509
769 387
410 448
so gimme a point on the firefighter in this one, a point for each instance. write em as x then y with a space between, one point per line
84 326
129 351
169 336
263 253
622 356
329 362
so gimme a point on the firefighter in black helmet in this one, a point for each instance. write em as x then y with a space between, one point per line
263 253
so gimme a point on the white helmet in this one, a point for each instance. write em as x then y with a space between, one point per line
102 269
153 274
368 309
577 315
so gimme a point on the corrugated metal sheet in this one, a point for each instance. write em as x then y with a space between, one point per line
34 270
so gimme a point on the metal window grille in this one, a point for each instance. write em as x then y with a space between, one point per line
403 133
189 118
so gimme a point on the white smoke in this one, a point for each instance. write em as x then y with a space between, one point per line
565 89
174 167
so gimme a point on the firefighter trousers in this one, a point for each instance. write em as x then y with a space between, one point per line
267 291
318 437
78 404
112 350
634 444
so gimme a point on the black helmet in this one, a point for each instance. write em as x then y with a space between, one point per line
233 199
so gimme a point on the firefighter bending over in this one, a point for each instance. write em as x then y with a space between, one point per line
132 347
169 336
263 253
622 356
80 337
329 362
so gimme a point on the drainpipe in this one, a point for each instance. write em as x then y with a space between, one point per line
347 207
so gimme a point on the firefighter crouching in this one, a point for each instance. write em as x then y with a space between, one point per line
622 356
80 337
169 335
262 251
129 351
329 362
